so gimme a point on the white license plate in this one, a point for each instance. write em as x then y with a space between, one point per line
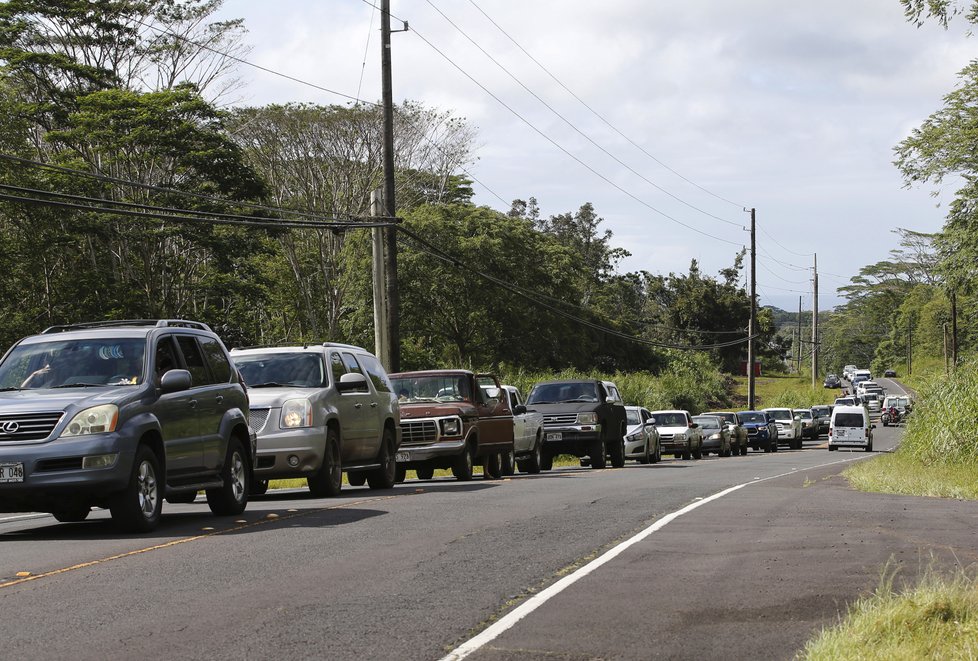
554 436
11 472
402 457
840 433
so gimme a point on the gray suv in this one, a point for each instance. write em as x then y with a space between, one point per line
320 410
120 415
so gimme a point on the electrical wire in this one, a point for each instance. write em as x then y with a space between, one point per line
791 282
366 49
800 254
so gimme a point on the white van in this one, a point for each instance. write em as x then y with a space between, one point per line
850 428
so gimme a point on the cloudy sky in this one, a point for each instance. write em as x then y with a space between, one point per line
791 108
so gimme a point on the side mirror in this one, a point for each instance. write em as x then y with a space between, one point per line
351 381
519 409
175 381
492 392
650 421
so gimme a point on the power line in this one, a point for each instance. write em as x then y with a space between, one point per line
800 254
792 282
574 126
597 114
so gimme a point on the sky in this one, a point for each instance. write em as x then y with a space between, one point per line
699 110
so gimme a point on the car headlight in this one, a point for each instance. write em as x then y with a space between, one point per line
716 437
451 426
587 418
96 420
681 436
296 413
633 438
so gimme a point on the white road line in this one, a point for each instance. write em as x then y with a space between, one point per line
514 616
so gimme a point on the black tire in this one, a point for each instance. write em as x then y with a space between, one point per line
508 463
832 448
646 457
680 455
258 487
463 465
139 506
617 450
492 466
869 447
356 479
328 480
597 454
400 474
385 476
657 457
182 498
743 450
231 498
72 514
546 460
425 473
698 452
725 451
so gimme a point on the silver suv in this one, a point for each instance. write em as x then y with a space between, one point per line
120 415
318 411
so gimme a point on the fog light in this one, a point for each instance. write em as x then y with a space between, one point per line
293 460
100 460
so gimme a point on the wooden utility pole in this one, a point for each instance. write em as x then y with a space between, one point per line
815 322
954 330
798 369
752 325
946 368
909 350
381 328
390 206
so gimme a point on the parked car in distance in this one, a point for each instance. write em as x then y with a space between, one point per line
762 432
848 371
582 417
809 428
845 401
823 416
450 421
641 436
527 452
678 434
119 415
873 402
738 433
889 374
851 428
789 426
716 436
832 381
320 410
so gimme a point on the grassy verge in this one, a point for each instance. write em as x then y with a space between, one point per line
937 619
902 474
793 391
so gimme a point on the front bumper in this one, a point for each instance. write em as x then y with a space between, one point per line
306 444
636 449
574 440
674 443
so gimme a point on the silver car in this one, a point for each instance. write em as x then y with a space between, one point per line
716 435
318 411
641 436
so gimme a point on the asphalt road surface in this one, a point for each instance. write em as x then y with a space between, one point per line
416 572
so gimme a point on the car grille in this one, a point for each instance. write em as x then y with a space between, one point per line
666 437
26 427
70 463
559 420
418 432
257 419
752 432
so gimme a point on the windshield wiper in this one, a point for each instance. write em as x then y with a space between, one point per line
80 384
271 384
576 401
9 389
537 402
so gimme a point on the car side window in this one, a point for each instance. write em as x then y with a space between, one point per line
336 366
376 373
514 399
216 359
165 357
352 367
194 360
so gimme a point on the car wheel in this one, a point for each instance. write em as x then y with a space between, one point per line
182 498
258 488
679 455
617 450
138 507
743 450
425 473
832 448
698 452
328 481
646 457
356 479
508 463
492 468
462 467
400 474
72 515
546 460
657 457
869 447
385 476
597 454
534 463
232 497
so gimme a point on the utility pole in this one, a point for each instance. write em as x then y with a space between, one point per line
381 329
753 313
909 350
954 329
390 206
799 336
815 322
946 368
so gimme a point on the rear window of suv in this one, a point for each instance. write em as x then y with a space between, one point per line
849 420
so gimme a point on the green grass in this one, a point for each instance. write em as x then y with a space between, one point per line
794 391
937 619
900 473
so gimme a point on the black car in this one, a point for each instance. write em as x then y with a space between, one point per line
889 374
585 418
120 415
832 381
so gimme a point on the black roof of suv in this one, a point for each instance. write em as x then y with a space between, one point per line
120 414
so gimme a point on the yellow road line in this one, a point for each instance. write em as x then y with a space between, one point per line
157 547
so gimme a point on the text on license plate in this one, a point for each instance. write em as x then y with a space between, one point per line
402 457
554 436
11 472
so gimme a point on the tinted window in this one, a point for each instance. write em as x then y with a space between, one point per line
563 392
166 357
336 366
670 419
62 363
376 373
849 420
752 417
216 359
707 423
352 367
780 415
194 360
293 368
632 417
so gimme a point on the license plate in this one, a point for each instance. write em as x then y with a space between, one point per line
11 472
402 457
554 435
841 433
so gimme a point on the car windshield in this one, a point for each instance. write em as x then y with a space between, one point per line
781 414
670 419
291 369
632 417
726 417
74 363
752 416
551 393
805 414
707 422
820 410
436 388
845 401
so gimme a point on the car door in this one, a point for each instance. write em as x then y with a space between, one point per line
378 406
495 414
520 433
359 412
177 414
217 398
204 399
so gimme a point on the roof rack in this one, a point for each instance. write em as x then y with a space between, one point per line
113 323
304 345
340 345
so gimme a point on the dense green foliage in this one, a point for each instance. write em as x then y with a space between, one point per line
942 428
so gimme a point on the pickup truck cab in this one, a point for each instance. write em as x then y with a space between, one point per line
762 432
527 452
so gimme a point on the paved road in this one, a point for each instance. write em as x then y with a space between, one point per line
414 572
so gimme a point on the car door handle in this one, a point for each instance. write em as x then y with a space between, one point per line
220 398
358 405
193 403
373 405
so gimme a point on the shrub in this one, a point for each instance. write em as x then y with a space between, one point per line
944 425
